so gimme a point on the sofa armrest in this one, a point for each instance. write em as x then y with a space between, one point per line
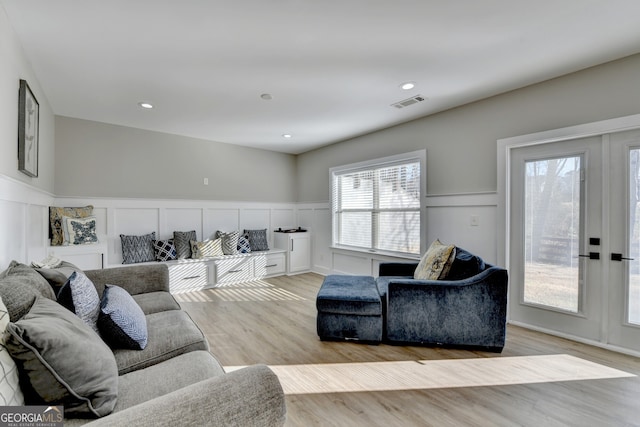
250 396
138 279
397 268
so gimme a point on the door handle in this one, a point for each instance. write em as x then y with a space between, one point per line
619 257
592 255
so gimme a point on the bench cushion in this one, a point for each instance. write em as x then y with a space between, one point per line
349 295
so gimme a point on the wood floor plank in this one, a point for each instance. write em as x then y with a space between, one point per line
282 331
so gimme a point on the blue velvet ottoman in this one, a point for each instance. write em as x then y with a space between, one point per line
349 308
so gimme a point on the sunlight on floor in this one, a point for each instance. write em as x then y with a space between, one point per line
256 290
428 374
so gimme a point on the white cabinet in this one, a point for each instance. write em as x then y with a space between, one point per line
85 257
298 250
247 267
187 275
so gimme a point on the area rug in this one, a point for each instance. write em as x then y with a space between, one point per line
429 374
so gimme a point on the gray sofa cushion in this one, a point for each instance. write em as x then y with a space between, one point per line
170 375
20 285
171 333
155 302
65 361
137 279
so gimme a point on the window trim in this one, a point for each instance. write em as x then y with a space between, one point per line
421 157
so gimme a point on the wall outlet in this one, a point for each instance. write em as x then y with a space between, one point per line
206 181
474 221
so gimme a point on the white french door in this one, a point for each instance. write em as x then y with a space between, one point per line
624 234
575 238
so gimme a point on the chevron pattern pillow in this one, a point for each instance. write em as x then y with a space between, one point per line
80 296
229 241
181 241
164 250
121 321
137 248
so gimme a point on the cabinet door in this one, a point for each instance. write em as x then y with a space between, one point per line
299 252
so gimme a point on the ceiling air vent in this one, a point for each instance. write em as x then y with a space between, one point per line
409 101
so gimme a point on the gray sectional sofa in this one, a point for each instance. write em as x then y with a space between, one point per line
174 380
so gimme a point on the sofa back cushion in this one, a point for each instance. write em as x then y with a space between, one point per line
465 265
19 287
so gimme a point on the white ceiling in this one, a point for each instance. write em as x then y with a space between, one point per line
333 67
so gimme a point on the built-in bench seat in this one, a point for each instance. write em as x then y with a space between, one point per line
192 274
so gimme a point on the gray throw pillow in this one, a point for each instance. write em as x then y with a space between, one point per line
181 241
137 249
65 362
258 239
59 275
121 322
229 241
19 287
80 296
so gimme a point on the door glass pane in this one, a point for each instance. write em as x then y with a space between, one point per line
634 237
552 232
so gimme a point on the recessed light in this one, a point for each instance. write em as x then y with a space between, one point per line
408 85
286 135
146 105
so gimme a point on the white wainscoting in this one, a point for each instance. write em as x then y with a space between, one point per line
24 215
143 216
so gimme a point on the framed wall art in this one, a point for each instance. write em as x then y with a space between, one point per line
28 130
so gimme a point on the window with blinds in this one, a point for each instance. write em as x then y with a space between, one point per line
376 204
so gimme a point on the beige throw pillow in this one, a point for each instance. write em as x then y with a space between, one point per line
436 262
208 248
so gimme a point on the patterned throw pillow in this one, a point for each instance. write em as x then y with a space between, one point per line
137 248
208 248
121 321
80 296
10 392
244 247
55 219
229 241
258 239
436 262
79 231
164 250
181 240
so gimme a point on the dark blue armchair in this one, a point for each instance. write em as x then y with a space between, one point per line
458 311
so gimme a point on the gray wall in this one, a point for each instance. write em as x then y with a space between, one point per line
15 66
461 143
101 160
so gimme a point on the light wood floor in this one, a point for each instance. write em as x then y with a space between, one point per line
273 322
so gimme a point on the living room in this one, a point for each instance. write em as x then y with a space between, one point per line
141 180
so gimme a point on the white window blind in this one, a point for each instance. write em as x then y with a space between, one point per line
376 205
